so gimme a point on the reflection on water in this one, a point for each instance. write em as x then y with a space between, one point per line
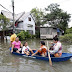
13 63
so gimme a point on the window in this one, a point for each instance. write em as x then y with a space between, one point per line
29 19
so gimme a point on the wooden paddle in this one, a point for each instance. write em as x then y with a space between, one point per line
50 62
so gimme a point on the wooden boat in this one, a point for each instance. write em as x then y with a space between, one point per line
64 57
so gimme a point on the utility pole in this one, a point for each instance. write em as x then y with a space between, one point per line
13 16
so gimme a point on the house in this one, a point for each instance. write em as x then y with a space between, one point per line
49 32
27 23
23 21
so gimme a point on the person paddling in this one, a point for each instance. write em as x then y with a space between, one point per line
16 46
42 50
26 49
57 48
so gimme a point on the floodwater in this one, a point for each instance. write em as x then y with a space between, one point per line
13 63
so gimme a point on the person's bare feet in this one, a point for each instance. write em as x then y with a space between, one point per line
27 54
32 54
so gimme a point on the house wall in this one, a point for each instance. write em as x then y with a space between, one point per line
47 32
24 25
26 22
20 26
54 32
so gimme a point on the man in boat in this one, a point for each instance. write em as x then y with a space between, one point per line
57 48
16 46
42 50
12 38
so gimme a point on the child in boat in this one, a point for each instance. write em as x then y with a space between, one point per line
57 48
26 49
42 50
52 44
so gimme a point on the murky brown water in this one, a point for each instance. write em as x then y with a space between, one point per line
12 63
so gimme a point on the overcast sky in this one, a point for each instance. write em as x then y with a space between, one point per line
27 5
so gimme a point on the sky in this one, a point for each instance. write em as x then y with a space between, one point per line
27 5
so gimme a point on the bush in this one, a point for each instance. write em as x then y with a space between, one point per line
69 30
24 35
66 38
33 36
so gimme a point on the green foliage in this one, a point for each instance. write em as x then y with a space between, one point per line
23 35
66 38
69 30
57 17
33 36
4 22
53 8
37 14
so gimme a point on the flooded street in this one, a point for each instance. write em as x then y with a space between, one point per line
13 63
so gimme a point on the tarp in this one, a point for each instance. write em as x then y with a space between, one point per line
58 30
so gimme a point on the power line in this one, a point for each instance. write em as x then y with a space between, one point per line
4 8
11 12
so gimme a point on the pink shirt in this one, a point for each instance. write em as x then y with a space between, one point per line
16 44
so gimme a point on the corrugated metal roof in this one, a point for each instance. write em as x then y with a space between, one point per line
24 15
9 15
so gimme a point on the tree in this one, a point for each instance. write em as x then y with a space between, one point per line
38 14
4 23
69 31
57 17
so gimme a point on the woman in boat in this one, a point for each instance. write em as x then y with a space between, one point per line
42 50
26 49
57 48
52 44
16 46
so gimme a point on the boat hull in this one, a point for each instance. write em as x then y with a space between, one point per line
64 57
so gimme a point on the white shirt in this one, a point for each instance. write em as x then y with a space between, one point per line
56 47
25 48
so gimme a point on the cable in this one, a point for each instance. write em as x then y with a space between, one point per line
5 8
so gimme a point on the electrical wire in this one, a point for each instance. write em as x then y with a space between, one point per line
5 8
